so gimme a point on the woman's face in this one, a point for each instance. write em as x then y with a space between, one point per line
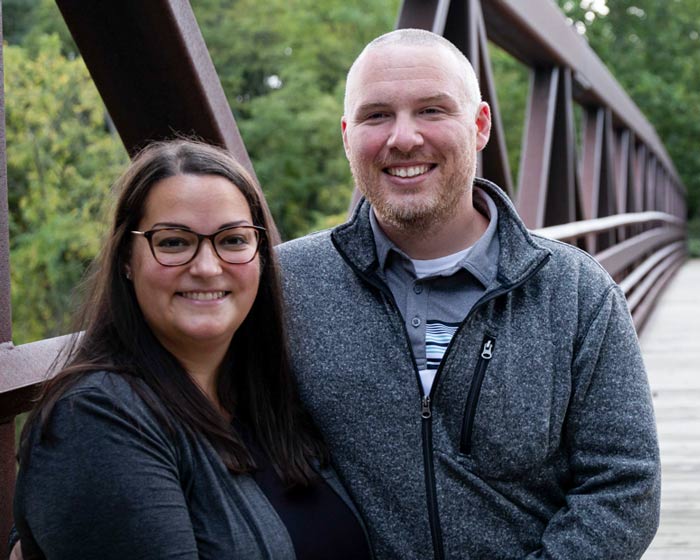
199 305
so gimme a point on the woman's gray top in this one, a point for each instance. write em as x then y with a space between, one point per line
113 483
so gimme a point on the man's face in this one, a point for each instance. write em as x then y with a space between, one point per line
411 133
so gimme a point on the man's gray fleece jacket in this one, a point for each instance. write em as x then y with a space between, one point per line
538 437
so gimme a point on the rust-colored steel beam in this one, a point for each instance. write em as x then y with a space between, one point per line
152 68
7 478
24 367
536 151
425 14
548 184
493 160
7 421
5 307
153 71
623 174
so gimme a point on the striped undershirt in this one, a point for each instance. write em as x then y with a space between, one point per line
437 338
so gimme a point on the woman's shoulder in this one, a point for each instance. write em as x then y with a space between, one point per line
111 383
101 412
112 394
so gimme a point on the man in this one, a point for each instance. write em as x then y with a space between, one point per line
481 388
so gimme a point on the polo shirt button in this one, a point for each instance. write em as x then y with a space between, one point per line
416 322
418 288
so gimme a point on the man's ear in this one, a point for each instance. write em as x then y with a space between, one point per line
344 132
483 125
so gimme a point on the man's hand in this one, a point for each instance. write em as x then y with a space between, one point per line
16 553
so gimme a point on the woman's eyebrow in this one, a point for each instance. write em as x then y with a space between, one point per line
183 226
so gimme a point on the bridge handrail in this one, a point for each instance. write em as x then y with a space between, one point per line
650 283
643 262
25 367
635 277
574 230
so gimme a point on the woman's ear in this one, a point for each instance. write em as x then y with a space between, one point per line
127 272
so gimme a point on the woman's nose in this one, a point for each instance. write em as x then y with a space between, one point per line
206 262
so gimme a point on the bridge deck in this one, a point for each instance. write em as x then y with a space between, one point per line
671 346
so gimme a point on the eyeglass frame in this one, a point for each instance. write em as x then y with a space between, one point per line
200 236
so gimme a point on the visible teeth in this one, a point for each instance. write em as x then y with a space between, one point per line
408 171
203 295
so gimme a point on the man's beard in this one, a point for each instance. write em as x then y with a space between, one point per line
420 216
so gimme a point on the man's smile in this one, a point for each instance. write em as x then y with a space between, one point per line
408 171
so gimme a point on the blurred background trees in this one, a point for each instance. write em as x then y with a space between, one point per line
61 159
282 64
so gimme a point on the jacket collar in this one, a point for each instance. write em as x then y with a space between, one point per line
520 254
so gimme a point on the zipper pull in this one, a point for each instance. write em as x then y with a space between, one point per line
487 349
425 407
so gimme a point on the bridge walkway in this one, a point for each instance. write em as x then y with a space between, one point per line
671 347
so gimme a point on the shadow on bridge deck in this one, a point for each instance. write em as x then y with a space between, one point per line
671 347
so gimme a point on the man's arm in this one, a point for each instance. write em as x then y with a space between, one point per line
612 506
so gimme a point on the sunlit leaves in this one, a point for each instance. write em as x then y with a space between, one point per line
61 160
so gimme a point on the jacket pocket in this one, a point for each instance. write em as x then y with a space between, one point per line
482 364
508 417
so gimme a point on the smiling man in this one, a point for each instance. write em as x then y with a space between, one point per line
481 388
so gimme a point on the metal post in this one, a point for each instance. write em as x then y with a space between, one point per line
7 424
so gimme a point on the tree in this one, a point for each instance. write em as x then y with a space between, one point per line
61 160
512 80
16 18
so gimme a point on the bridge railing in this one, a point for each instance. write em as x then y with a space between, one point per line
620 199
654 247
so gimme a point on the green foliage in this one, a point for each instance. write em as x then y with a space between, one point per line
512 85
61 161
694 237
16 18
25 22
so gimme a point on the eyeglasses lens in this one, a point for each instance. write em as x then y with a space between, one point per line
174 247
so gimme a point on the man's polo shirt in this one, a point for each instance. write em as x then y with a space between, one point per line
434 303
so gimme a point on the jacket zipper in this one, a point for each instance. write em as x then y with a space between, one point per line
465 443
426 412
427 439
430 490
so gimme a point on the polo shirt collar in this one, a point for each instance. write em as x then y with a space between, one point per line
482 259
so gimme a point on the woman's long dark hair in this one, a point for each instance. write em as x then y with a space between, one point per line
255 383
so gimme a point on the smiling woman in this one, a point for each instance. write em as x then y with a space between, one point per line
174 430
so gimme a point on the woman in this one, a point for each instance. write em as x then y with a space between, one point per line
175 429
